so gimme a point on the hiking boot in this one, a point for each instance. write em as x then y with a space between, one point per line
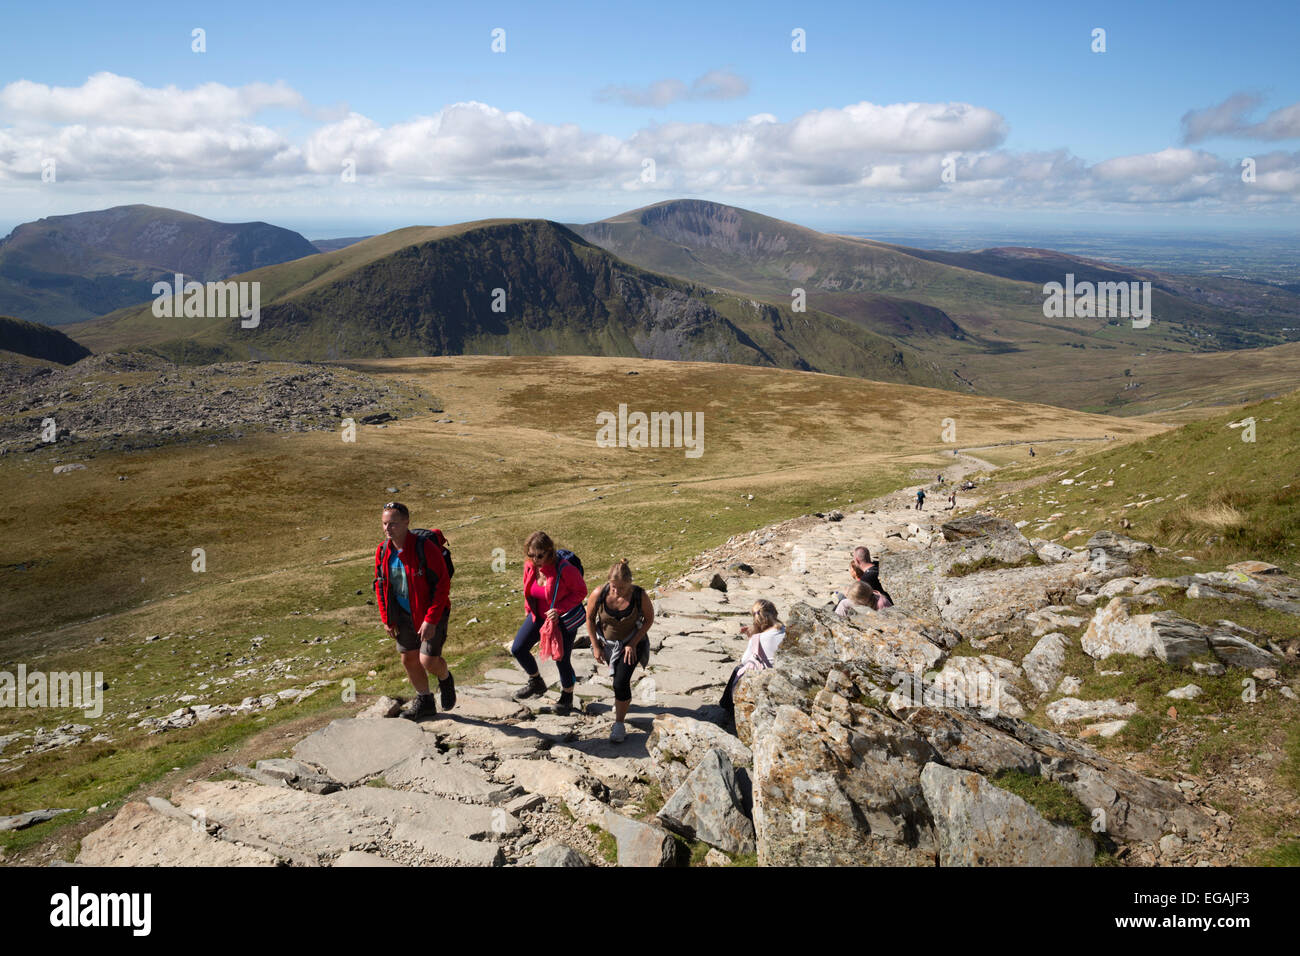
535 687
447 691
565 706
617 733
422 706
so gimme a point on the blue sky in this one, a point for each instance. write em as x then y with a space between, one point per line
1030 85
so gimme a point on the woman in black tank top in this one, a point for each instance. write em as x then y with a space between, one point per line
618 636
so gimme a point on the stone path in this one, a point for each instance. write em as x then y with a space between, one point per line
495 781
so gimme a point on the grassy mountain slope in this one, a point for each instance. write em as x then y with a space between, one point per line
978 313
1200 488
431 291
65 269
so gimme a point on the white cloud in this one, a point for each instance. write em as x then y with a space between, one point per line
1229 118
1167 167
116 130
106 99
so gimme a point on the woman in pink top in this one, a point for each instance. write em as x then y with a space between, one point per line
554 590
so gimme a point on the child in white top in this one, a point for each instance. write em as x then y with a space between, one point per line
765 635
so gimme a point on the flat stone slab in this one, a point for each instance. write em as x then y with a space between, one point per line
445 776
20 821
707 601
445 847
693 643
693 662
551 727
429 813
676 682
608 762
473 704
480 736
550 778
303 821
139 836
352 750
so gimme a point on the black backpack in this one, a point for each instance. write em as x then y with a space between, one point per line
564 554
424 534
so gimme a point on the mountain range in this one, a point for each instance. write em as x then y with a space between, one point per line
697 280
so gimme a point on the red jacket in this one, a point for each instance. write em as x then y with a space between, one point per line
425 606
572 587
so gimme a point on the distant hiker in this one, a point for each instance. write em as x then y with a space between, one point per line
920 498
952 500
765 634
1031 451
864 569
862 595
619 616
939 479
413 583
554 590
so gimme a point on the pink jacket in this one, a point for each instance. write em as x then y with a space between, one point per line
572 589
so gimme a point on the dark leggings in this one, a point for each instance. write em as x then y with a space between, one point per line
529 634
623 675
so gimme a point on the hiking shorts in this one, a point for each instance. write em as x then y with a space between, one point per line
408 635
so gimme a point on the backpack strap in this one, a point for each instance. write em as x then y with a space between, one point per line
558 569
420 542
381 573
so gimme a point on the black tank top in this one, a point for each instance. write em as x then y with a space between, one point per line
618 625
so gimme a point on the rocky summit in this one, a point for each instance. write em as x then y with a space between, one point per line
911 736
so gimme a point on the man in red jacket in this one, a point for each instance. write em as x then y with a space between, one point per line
415 605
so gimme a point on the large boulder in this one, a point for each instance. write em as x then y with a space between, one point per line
1125 805
677 745
1167 636
1108 550
986 602
1042 666
556 854
641 844
891 639
979 824
977 526
836 781
709 806
1070 709
992 684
